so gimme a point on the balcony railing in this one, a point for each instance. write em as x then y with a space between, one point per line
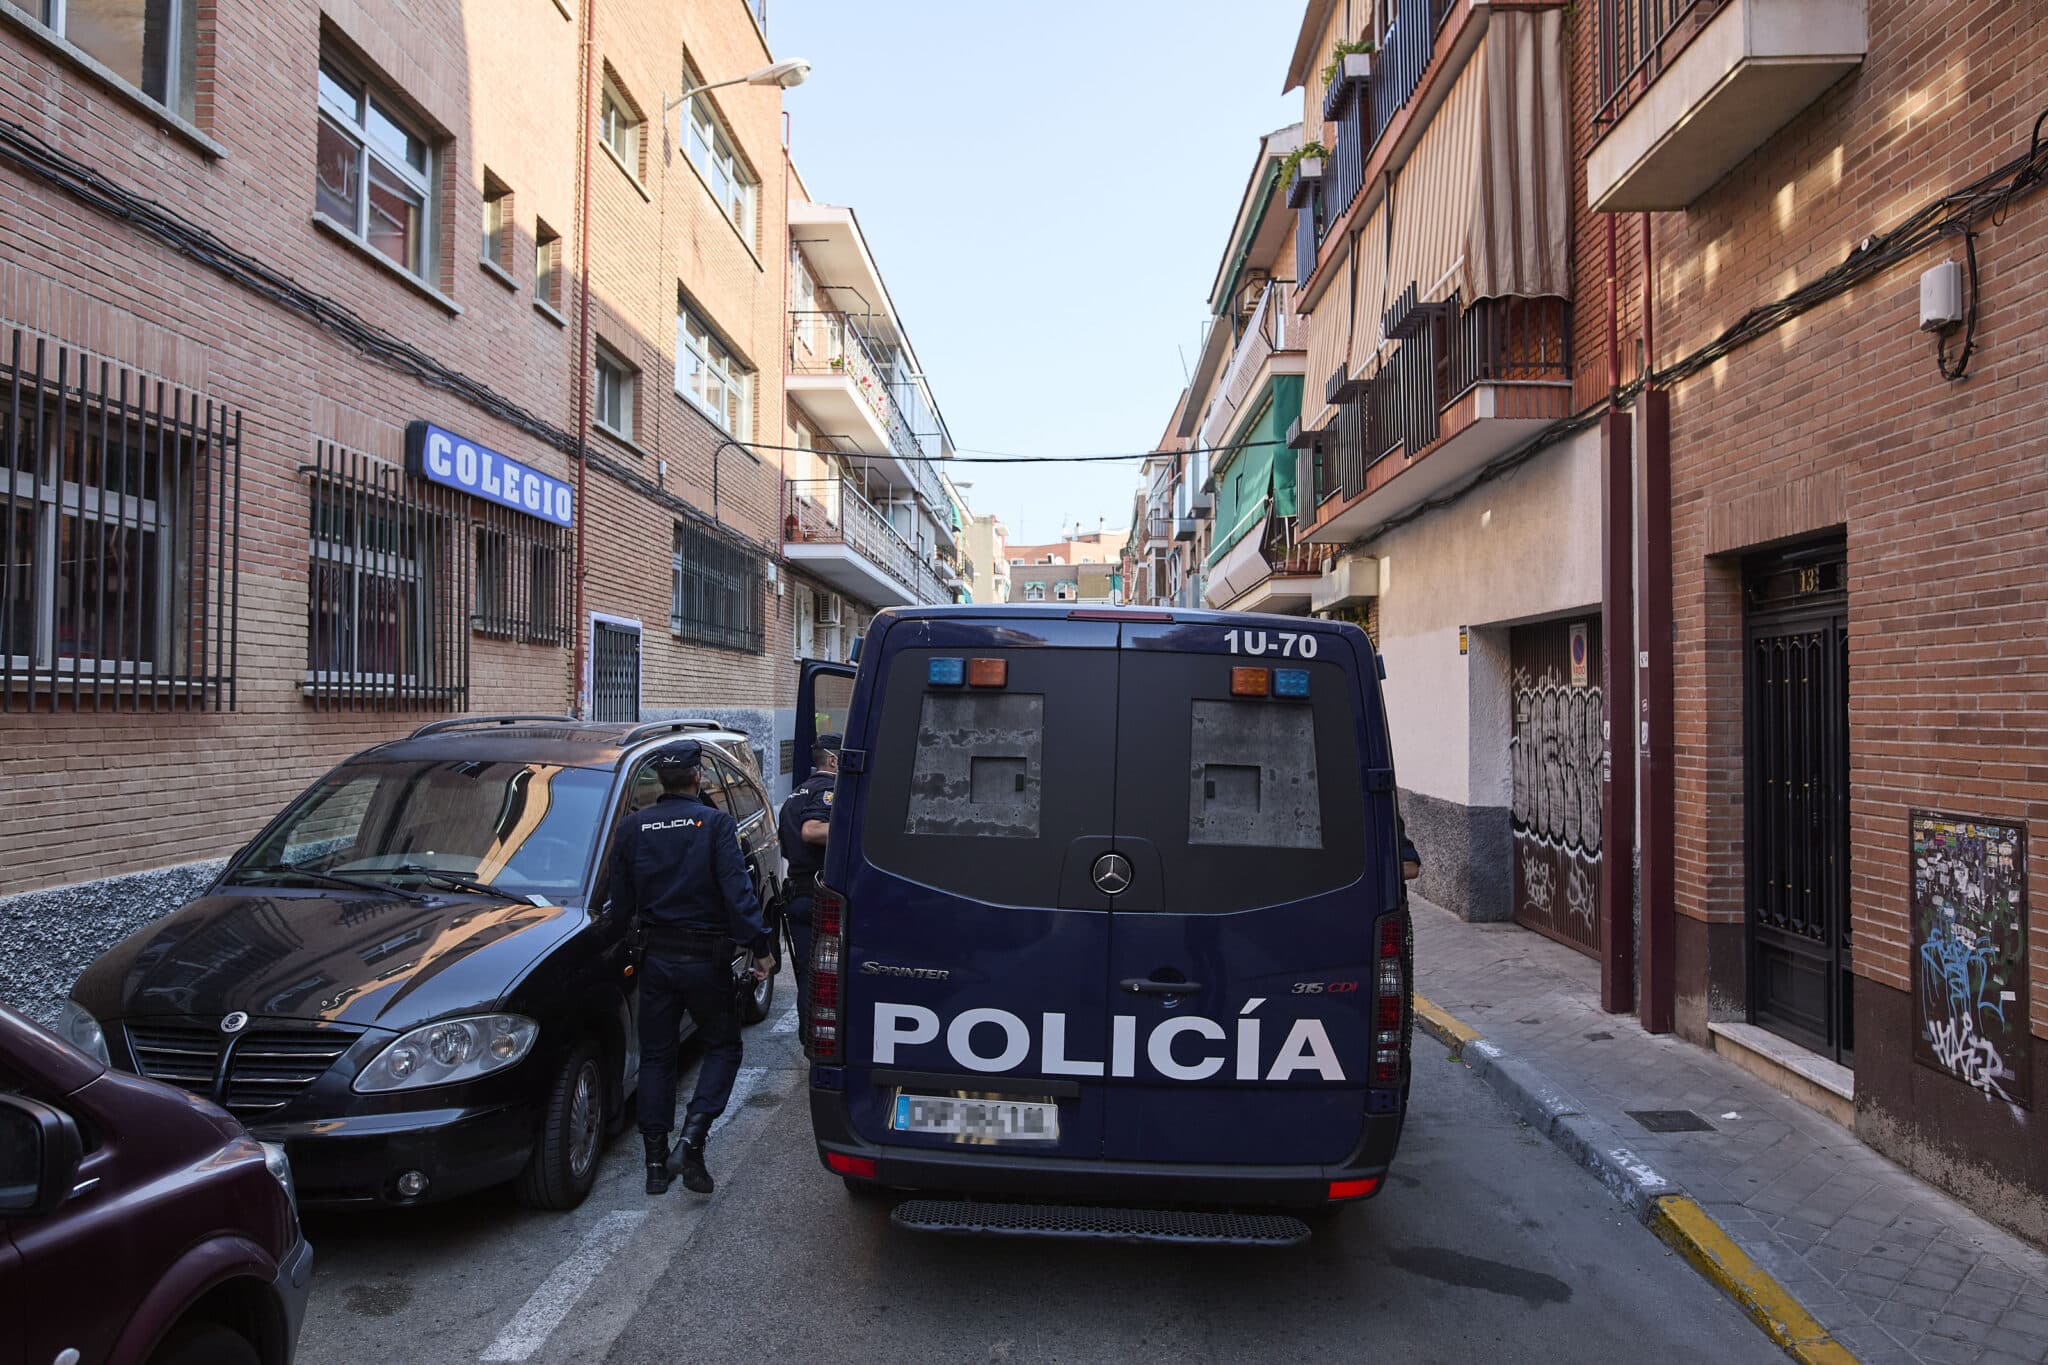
1511 341
833 512
1272 327
1634 40
825 342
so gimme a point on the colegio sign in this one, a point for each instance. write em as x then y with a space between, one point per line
440 456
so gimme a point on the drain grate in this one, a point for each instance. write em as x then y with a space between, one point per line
1670 1120
970 1217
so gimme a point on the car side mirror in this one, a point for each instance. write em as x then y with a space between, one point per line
39 1155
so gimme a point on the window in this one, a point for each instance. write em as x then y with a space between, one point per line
547 266
382 607
742 802
987 787
715 591
711 152
618 126
375 172
616 383
497 243
116 548
1034 592
709 375
1063 592
153 45
519 580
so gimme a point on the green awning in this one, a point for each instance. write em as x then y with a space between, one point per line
1256 479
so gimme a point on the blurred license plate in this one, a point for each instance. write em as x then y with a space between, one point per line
977 1120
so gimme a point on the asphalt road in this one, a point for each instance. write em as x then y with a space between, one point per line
1487 1245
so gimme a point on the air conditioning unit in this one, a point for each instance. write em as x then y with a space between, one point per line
828 609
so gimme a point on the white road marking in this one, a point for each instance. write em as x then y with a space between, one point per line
743 1085
541 1314
787 1023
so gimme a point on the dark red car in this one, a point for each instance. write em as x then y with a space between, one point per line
138 1223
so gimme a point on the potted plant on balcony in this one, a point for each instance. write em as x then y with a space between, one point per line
1345 77
1301 171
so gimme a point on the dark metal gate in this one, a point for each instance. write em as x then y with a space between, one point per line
614 671
1555 755
1796 797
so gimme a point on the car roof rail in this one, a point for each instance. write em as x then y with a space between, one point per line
670 727
435 727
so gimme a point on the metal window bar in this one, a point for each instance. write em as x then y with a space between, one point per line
1511 340
121 541
717 589
1635 40
521 591
388 587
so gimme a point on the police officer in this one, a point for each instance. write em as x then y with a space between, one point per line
677 865
805 819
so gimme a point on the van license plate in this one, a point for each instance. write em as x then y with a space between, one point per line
977 1120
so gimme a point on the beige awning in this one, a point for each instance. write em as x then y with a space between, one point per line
1329 345
1370 255
1434 192
1520 238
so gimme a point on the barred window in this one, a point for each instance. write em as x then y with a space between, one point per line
715 593
386 582
119 543
520 583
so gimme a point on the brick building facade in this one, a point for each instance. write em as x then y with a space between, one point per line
250 248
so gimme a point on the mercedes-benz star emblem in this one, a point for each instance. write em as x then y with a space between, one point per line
234 1023
1112 874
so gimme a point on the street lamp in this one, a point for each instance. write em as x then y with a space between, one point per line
785 74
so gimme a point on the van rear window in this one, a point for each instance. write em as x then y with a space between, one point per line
1253 779
978 765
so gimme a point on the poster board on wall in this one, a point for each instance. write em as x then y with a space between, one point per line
1970 986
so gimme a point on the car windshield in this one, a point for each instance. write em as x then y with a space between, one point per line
525 829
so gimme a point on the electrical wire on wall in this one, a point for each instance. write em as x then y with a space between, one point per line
1962 365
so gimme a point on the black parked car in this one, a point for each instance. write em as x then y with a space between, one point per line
412 978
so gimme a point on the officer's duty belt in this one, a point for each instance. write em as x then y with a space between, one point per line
687 942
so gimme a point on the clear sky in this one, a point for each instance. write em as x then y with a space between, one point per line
1046 187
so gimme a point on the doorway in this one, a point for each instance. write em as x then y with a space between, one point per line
1554 752
1796 796
614 670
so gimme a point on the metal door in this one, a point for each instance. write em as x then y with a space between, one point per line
614 671
1796 798
1554 752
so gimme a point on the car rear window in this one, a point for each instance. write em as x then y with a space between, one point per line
983 792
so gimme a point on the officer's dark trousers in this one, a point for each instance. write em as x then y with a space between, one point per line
798 914
668 986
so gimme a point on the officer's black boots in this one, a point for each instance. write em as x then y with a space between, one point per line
696 1179
657 1162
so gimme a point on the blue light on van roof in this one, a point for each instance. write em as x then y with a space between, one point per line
1290 682
947 672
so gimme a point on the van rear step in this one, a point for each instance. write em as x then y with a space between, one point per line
969 1217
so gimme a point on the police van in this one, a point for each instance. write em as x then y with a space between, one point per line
1111 915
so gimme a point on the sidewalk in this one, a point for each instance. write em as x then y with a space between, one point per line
1893 1268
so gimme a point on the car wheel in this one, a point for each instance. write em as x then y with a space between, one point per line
205 1343
563 1165
757 999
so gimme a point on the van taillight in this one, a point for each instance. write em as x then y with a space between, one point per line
828 987
1390 1001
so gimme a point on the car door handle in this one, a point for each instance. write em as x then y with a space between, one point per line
1138 985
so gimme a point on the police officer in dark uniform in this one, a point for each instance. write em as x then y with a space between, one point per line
677 865
802 825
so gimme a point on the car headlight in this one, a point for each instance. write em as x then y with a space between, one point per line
450 1050
280 1166
83 1032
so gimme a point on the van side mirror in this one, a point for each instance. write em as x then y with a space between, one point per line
39 1155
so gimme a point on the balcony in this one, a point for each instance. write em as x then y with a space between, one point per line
1158 531
842 386
841 537
1464 386
1272 330
1264 572
1691 87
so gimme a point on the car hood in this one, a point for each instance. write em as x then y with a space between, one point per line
376 961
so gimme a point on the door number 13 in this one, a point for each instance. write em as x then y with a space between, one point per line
1286 643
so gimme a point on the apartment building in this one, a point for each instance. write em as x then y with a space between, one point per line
988 559
1093 547
869 518
1088 583
363 363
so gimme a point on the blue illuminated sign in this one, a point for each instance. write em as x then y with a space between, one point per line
440 456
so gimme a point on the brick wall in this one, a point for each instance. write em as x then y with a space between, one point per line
1943 486
496 84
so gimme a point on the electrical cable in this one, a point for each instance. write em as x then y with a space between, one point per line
1962 366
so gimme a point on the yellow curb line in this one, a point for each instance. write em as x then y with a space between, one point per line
1687 1228
1441 1024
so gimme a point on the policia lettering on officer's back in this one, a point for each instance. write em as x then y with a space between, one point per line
677 866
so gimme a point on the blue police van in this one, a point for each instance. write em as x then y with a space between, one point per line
1111 916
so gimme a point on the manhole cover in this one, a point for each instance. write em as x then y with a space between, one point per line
1670 1120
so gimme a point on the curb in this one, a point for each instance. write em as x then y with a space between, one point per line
1659 1204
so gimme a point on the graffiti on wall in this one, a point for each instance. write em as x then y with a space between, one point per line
1554 759
1970 952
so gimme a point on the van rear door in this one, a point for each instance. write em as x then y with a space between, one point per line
1243 948
977 942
